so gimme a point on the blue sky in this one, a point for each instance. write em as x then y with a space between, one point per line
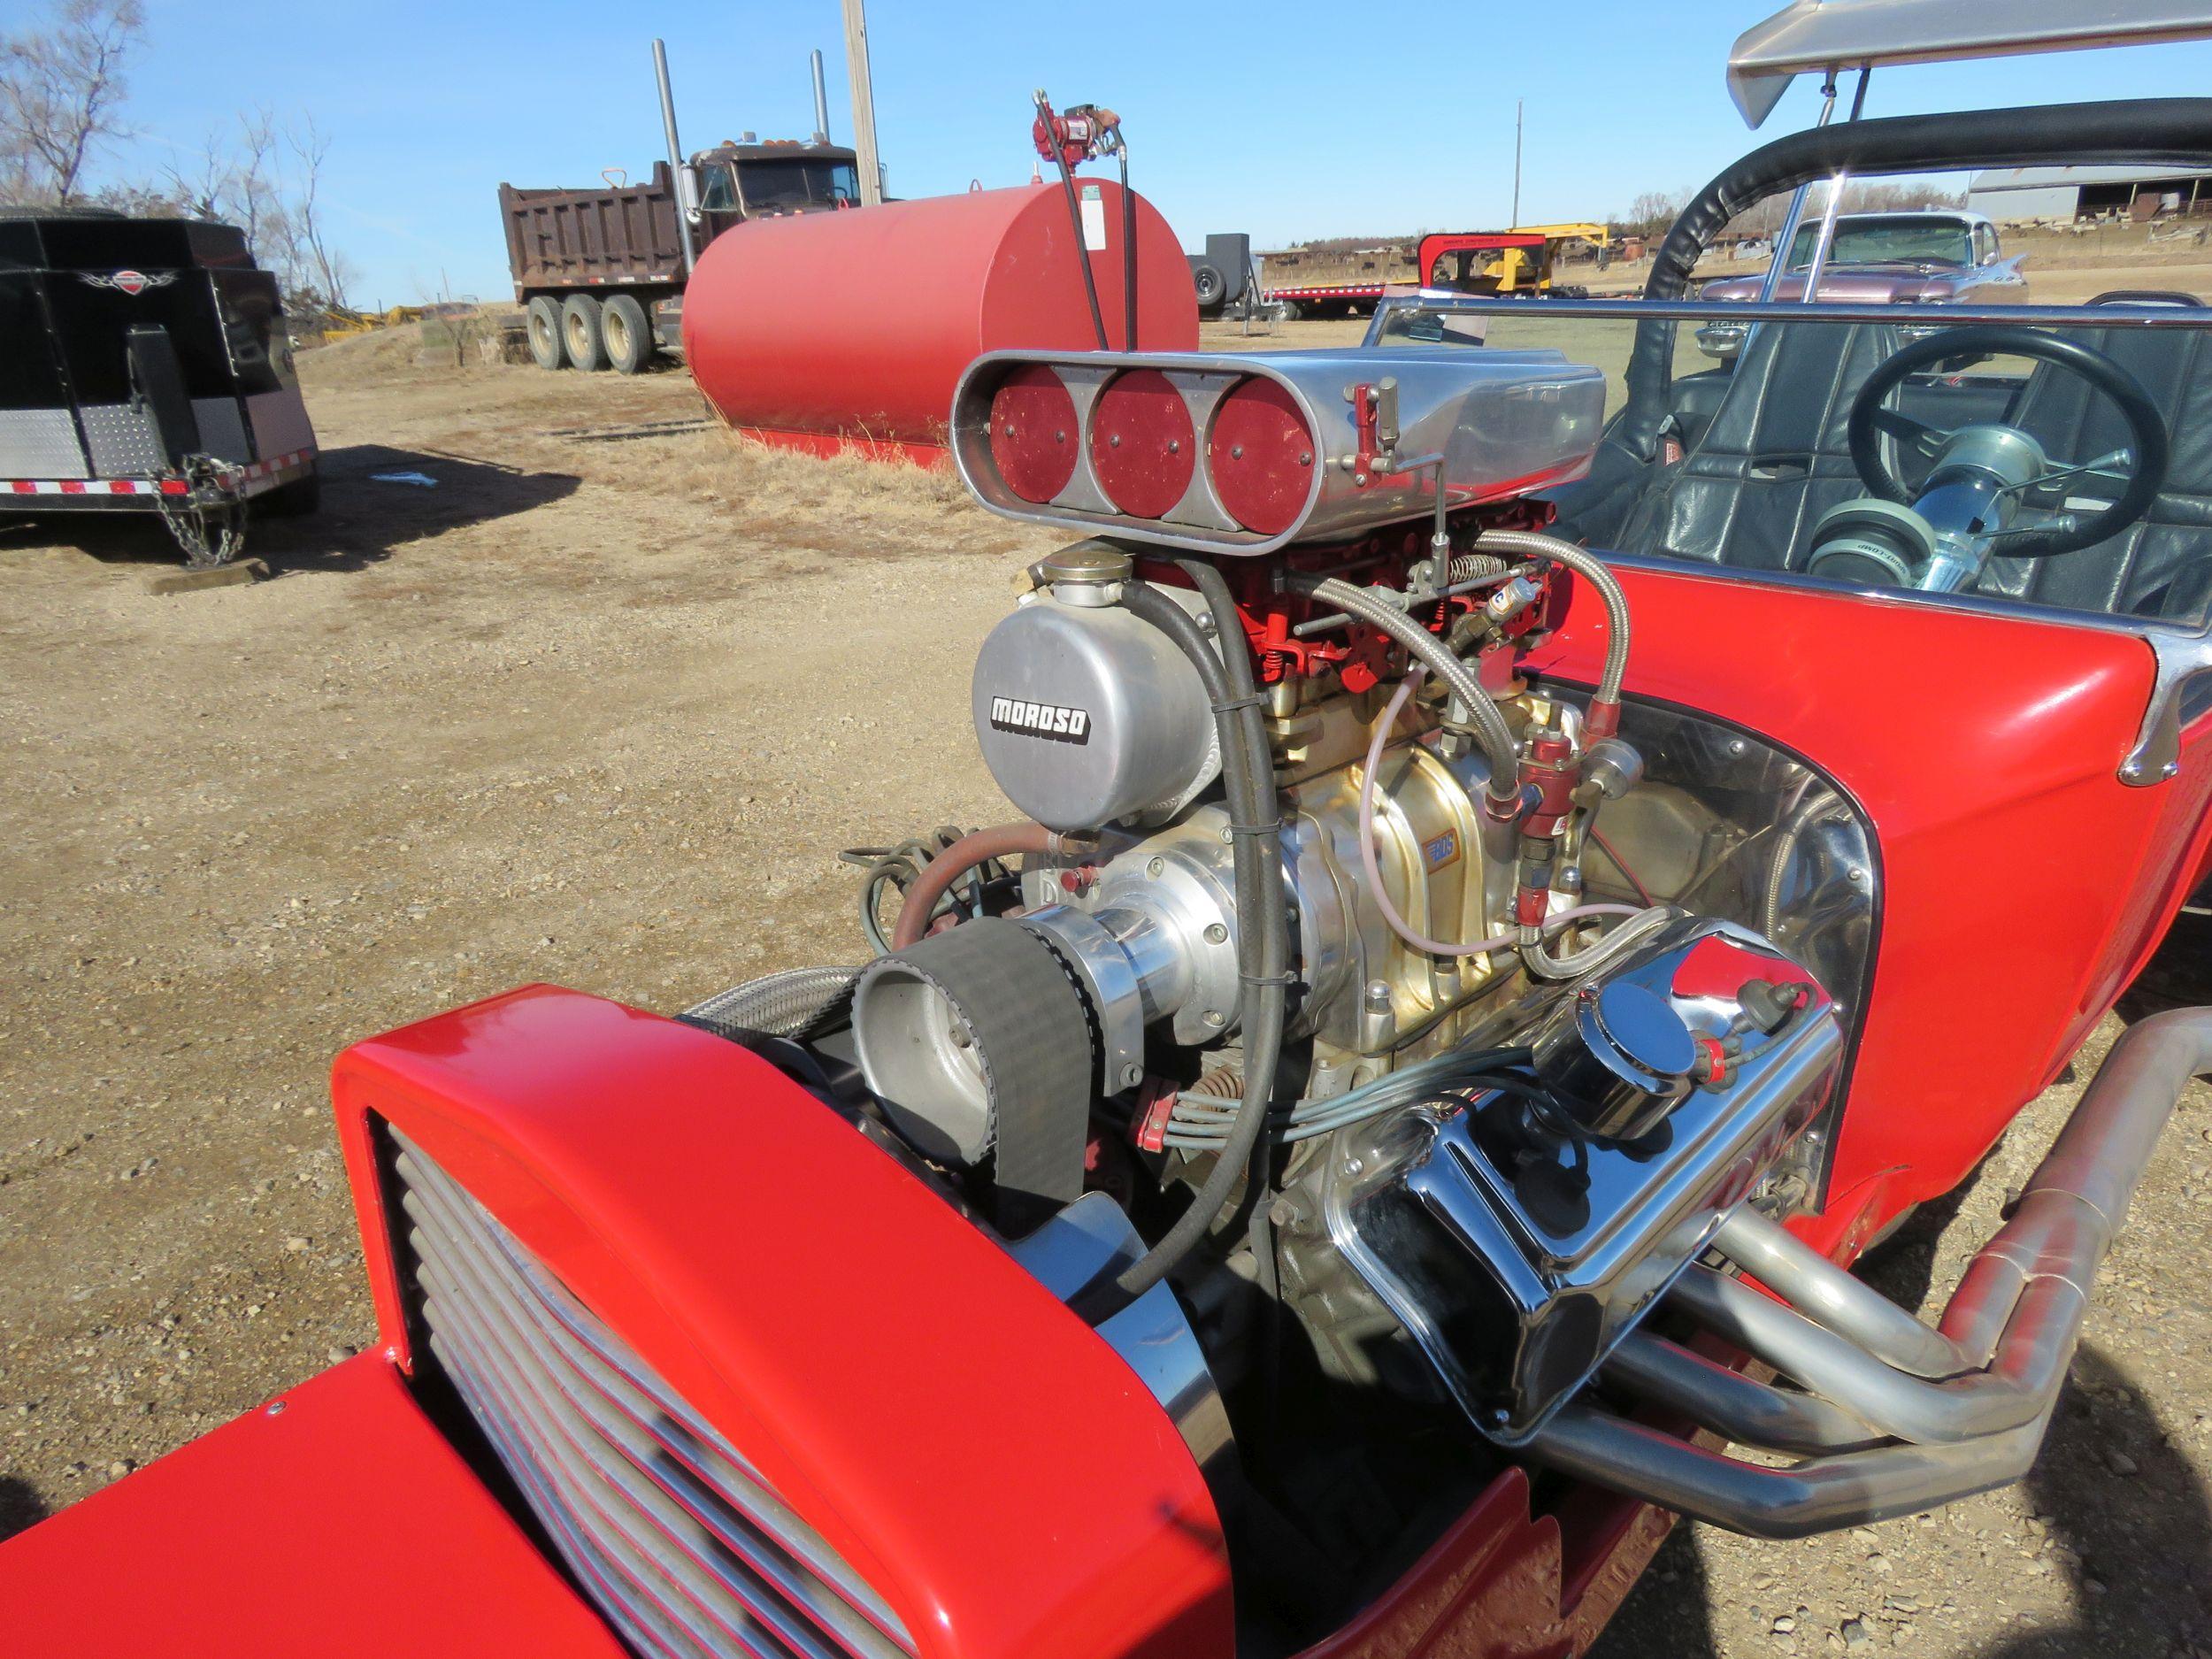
1292 119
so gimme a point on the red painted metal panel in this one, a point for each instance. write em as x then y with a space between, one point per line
963 1439
860 323
333 1523
1503 1584
2022 884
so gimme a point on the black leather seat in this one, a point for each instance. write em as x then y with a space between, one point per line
2161 566
1774 456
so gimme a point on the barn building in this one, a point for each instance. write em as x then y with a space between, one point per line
2012 195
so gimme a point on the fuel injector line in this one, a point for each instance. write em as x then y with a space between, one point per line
1263 931
1604 716
1491 732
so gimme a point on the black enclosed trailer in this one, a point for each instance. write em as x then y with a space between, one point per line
144 367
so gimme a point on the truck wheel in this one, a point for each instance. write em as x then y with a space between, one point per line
628 336
1210 286
580 333
542 319
1288 311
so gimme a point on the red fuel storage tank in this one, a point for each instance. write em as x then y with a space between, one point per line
825 329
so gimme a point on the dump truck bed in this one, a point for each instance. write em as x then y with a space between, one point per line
612 237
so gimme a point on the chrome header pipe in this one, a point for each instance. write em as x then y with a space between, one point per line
1965 1405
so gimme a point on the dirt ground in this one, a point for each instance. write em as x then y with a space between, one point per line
603 712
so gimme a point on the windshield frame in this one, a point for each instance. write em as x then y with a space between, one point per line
2182 654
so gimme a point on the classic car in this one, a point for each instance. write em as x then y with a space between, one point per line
1510 898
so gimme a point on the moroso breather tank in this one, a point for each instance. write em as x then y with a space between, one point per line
824 329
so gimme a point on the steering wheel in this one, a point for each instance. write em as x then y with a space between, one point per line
2149 449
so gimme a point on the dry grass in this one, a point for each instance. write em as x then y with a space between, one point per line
838 504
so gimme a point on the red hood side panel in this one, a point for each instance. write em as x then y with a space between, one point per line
331 1522
976 1453
2020 883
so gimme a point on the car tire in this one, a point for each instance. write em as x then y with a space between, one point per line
542 320
627 333
583 340
1210 286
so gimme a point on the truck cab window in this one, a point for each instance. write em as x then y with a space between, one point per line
717 190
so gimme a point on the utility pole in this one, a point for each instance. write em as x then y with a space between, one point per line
1516 163
870 169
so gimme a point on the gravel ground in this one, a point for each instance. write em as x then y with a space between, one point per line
603 714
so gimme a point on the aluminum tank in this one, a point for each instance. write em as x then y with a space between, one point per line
828 329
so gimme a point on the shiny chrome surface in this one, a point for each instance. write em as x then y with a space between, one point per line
1133 972
667 1527
1944 315
1458 1238
2003 1345
1081 1244
1825 1294
1827 35
1730 1403
1502 422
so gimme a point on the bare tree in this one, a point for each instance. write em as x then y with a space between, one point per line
309 250
61 91
232 179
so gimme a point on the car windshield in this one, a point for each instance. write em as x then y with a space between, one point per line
1890 238
1729 443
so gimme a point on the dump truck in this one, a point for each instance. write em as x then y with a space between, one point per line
600 273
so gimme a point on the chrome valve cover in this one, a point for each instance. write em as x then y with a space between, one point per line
1516 1260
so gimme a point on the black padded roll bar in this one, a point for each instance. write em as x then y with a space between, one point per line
2167 131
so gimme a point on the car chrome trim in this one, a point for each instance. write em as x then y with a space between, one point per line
676 1536
2013 1322
1950 316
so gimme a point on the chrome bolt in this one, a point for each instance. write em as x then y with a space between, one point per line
1155 867
1010 428
275 1409
1236 452
1305 458
1060 437
1215 933
1214 1017
1736 745
1353 1166
1114 442
1175 446
1856 874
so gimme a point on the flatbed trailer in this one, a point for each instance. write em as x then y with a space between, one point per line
1511 263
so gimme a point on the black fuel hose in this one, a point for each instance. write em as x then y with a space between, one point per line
1128 256
1264 926
1082 252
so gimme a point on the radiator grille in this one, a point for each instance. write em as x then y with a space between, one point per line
674 1535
